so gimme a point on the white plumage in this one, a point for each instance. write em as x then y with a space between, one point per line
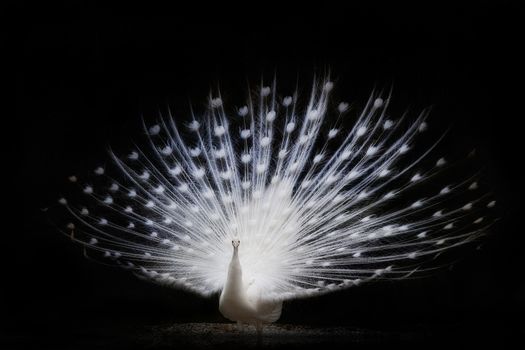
315 207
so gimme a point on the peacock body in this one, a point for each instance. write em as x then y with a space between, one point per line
266 202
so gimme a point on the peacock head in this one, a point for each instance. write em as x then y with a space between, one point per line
236 242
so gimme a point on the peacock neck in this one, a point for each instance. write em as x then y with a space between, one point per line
234 283
235 255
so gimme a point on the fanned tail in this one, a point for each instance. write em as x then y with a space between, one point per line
317 208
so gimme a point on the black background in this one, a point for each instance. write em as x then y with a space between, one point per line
89 72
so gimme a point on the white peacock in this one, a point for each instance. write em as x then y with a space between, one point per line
269 203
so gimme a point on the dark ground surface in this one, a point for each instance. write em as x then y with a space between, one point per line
230 336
